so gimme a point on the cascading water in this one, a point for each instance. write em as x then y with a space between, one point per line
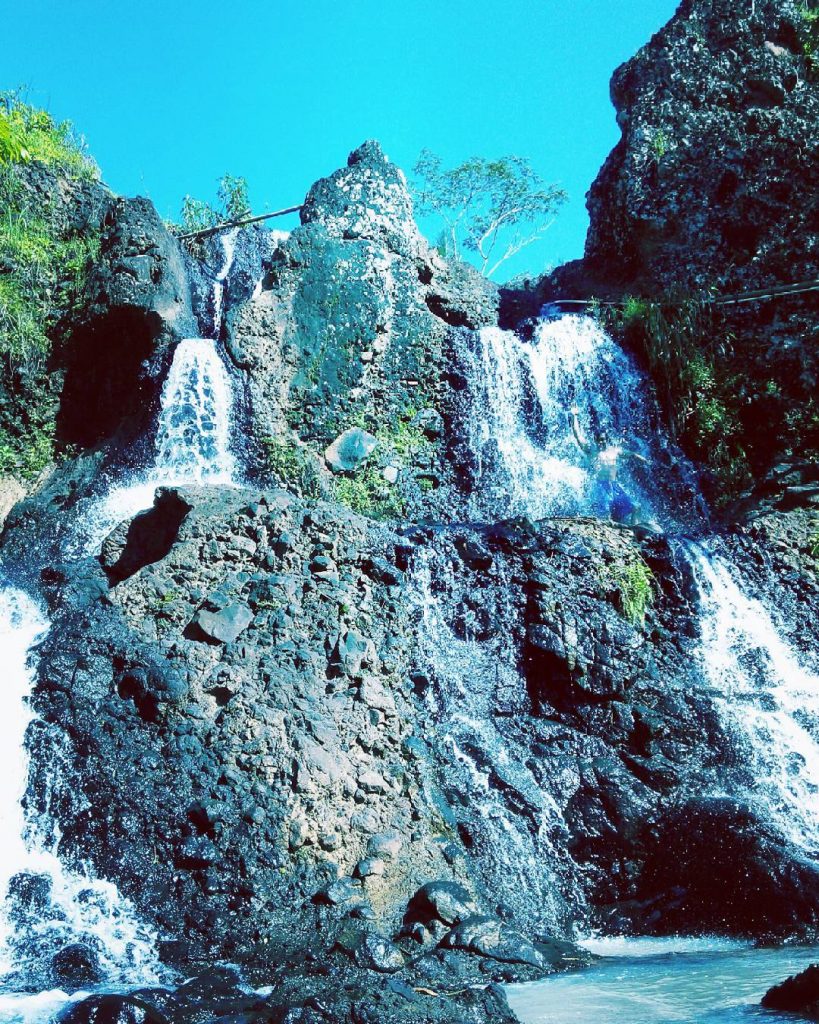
522 395
228 241
193 433
516 850
767 699
49 909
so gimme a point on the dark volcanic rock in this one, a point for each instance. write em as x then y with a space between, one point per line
798 994
353 327
694 883
147 538
714 189
76 965
138 305
442 901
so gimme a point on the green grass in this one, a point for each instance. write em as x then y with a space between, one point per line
633 582
43 272
28 134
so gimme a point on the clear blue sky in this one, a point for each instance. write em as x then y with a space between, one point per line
172 93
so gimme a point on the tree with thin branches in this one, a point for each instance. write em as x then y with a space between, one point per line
491 209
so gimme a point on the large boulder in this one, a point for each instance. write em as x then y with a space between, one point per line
798 994
716 866
137 305
351 326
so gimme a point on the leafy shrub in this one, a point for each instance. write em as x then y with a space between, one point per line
232 194
293 466
27 133
43 271
633 582
198 215
688 354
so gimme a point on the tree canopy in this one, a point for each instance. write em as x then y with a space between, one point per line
198 215
491 209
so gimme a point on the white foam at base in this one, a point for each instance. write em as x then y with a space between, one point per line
80 906
647 945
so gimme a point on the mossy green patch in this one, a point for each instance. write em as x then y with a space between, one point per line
43 272
688 352
369 494
633 582
292 465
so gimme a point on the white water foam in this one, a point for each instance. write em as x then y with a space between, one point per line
767 699
515 851
521 433
192 442
80 907
228 241
667 945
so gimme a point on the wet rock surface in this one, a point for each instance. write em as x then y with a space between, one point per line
712 191
351 328
799 994
385 762
137 305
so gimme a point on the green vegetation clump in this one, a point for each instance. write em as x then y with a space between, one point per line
659 145
404 439
809 16
369 494
293 466
29 134
232 195
633 581
689 356
43 271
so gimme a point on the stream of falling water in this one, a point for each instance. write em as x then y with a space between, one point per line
768 700
193 440
530 462
51 914
766 697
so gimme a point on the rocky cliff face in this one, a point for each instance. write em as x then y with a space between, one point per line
351 326
382 765
712 191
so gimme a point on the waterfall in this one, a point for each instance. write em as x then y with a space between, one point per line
228 241
767 698
48 907
193 439
520 432
517 851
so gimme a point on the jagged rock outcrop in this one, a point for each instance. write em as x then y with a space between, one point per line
712 191
351 326
137 305
289 679
714 182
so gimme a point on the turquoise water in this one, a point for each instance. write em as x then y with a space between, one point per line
663 981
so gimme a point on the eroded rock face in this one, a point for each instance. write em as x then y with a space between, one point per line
361 716
138 304
714 181
351 326
713 190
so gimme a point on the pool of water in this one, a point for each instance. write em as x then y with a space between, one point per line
663 981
